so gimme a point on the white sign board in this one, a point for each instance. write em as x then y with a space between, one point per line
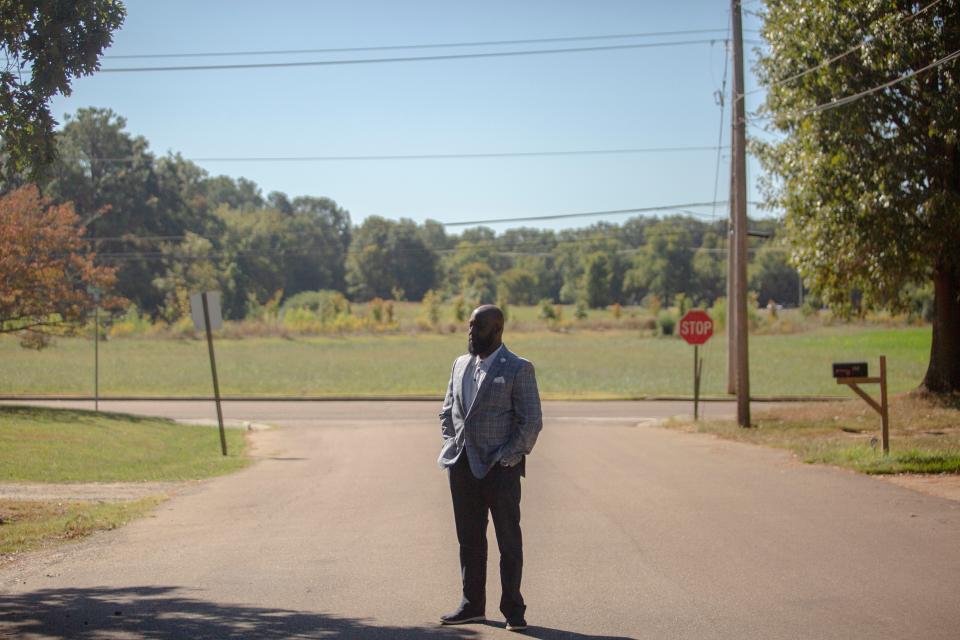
213 310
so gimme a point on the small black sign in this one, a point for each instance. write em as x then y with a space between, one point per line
849 369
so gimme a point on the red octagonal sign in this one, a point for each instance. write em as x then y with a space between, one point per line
696 327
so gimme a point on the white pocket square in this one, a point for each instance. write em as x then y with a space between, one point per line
499 380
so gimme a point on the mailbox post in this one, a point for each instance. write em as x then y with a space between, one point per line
853 374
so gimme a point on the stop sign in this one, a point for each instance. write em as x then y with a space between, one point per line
696 327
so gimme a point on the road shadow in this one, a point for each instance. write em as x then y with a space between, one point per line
168 613
171 613
547 633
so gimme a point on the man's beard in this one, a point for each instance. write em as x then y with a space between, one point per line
476 346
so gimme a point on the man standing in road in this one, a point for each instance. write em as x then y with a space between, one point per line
490 420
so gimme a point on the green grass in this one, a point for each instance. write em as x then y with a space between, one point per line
26 525
576 364
866 460
55 445
924 434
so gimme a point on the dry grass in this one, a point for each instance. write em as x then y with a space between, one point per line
26 525
924 433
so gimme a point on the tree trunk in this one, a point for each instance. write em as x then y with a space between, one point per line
943 373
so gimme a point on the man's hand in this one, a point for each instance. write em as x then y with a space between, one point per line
511 461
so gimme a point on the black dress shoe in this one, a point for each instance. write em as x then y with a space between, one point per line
462 616
516 624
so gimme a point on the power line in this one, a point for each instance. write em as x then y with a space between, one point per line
453 56
833 59
564 216
434 45
839 102
721 97
435 156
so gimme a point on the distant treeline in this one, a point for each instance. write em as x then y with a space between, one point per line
173 229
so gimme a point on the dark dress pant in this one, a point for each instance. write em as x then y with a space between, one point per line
498 493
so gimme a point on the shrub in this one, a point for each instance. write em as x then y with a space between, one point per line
667 323
326 304
811 306
460 308
547 310
652 302
431 307
376 310
718 312
131 323
581 310
266 312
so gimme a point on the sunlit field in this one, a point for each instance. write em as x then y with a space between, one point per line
574 364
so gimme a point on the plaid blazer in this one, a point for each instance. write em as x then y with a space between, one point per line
503 421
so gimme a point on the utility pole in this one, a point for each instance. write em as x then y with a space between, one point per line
731 287
738 198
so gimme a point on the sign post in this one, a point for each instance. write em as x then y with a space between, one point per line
205 311
696 327
96 292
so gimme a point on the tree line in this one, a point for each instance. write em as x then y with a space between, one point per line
169 229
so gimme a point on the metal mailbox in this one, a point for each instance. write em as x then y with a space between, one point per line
850 370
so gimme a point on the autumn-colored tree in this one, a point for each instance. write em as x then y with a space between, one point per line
46 274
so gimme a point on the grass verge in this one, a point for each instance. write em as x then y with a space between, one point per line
27 525
924 434
56 445
61 446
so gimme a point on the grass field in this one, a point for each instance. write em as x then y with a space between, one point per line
924 434
60 446
578 364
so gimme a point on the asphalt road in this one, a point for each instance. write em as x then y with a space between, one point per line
343 528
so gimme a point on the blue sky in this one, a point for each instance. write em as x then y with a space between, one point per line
633 98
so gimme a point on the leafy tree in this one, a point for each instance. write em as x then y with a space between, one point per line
709 270
279 201
253 246
127 198
478 283
478 244
664 266
870 185
385 256
598 280
46 274
517 286
190 267
435 236
46 45
317 238
772 277
239 194
547 280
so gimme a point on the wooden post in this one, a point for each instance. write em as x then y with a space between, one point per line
213 369
881 407
884 413
738 165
